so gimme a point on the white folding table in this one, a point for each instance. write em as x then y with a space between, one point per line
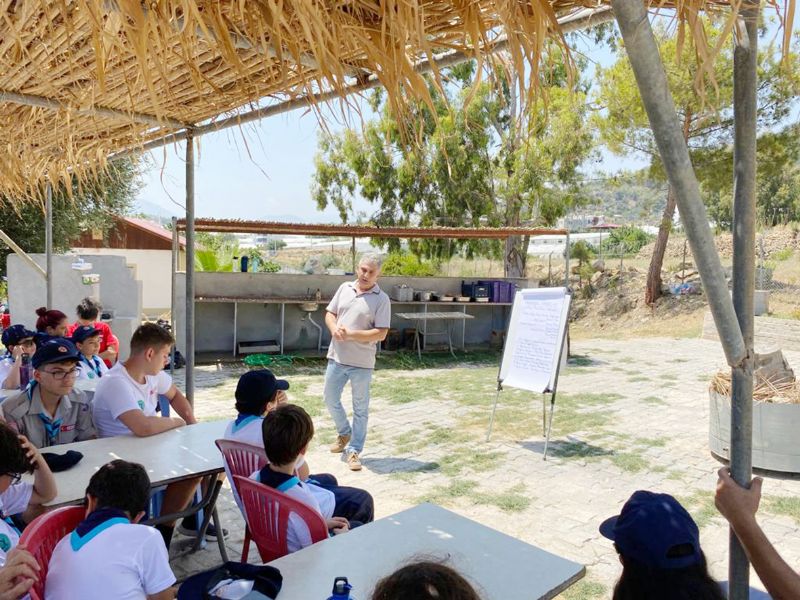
499 566
174 455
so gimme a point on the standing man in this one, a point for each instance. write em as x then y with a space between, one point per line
358 317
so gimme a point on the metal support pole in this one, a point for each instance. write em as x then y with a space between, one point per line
566 263
642 49
745 81
48 242
190 266
353 253
173 283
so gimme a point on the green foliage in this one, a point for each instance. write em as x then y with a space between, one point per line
92 207
216 251
405 263
581 251
481 163
626 240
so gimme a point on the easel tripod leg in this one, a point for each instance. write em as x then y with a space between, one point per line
549 425
491 420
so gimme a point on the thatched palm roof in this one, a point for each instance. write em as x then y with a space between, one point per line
83 79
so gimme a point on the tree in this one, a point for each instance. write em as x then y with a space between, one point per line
92 207
706 118
478 160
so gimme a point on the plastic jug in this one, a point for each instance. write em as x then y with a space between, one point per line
341 589
245 260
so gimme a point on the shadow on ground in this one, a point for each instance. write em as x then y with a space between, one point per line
384 466
568 449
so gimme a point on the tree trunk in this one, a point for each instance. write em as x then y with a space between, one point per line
515 254
653 288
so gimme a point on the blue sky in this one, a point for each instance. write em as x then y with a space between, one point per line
264 171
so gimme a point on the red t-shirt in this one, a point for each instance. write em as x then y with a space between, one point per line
107 338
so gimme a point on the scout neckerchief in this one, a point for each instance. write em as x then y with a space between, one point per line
97 522
51 426
242 420
269 477
94 365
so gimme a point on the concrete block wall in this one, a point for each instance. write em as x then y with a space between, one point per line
118 290
258 321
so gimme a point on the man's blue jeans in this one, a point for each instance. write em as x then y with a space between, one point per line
336 376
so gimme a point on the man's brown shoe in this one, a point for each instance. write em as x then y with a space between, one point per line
340 444
353 461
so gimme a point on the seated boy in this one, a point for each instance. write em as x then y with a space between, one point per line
286 432
18 456
125 403
87 340
50 411
18 341
89 314
109 554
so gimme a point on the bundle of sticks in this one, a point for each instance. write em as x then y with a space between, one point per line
764 389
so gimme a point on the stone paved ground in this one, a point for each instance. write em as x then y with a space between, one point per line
631 415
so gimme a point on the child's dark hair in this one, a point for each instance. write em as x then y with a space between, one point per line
286 431
689 583
88 309
13 459
150 335
254 406
48 318
122 485
424 580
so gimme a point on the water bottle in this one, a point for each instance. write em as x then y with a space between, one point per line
245 260
254 264
24 370
235 268
341 589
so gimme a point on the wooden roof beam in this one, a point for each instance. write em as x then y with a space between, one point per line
97 111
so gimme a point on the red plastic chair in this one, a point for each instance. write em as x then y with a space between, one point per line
267 514
42 535
242 459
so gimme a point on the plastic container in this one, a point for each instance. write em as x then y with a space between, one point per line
244 262
341 589
475 290
24 371
500 291
235 265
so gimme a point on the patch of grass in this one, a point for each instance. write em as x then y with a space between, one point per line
576 449
675 475
627 360
651 442
668 377
445 494
678 360
510 501
782 254
619 369
627 461
638 378
784 505
653 400
701 506
585 589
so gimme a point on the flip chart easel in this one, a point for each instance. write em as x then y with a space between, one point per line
534 344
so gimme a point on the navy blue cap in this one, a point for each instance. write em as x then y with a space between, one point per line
83 332
256 387
656 531
15 334
55 350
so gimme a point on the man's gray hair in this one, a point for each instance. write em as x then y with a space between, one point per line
372 259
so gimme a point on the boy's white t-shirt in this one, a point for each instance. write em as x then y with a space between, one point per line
13 501
123 561
297 534
117 393
85 370
248 431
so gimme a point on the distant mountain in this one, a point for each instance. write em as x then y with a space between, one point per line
154 211
626 200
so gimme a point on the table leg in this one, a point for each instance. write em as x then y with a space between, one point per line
235 319
450 337
283 314
416 341
424 326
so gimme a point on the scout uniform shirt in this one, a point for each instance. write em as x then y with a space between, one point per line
108 557
13 501
91 368
71 423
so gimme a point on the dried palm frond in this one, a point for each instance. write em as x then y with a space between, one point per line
764 390
83 79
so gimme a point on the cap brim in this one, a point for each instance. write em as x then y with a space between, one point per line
281 384
607 527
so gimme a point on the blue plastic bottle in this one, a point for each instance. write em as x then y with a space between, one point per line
341 589
245 260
